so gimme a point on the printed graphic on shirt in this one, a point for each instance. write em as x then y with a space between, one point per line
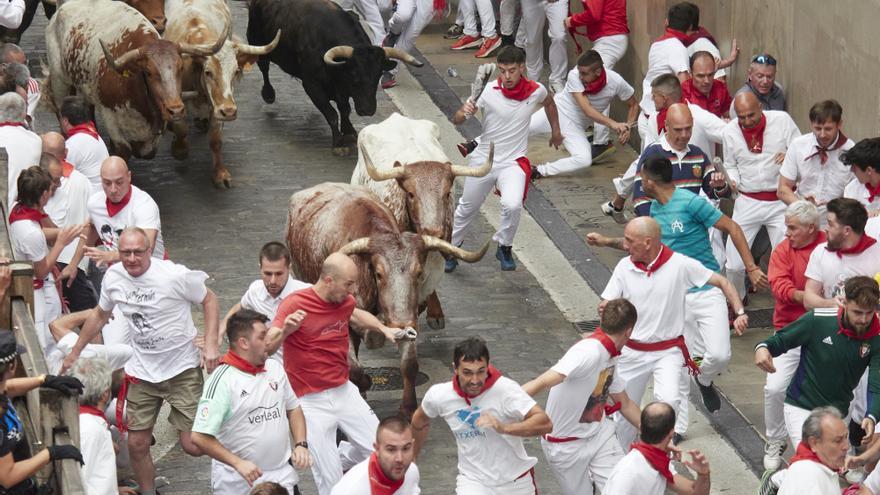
109 236
263 414
595 409
469 428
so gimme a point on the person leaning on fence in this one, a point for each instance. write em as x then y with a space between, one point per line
16 469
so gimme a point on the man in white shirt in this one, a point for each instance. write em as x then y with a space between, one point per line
390 469
864 162
667 54
489 415
12 13
507 107
23 147
755 145
248 413
155 298
582 449
812 164
646 469
819 457
587 96
85 148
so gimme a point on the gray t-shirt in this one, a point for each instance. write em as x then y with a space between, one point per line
775 100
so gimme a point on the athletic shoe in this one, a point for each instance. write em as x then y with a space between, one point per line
609 210
488 47
710 396
454 32
768 487
388 80
451 265
535 175
505 256
466 41
677 438
467 148
773 454
390 40
601 151
557 87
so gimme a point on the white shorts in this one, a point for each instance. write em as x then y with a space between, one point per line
226 481
525 485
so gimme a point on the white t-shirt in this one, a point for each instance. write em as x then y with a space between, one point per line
141 211
29 244
809 478
96 445
258 299
506 123
660 298
357 481
247 413
86 154
70 206
633 475
484 455
704 45
11 13
615 86
872 482
664 57
577 405
824 266
24 149
856 190
824 182
156 307
757 172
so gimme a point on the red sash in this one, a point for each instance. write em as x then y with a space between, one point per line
492 376
114 208
822 152
120 402
754 136
657 458
439 7
523 89
689 363
526 167
559 439
597 85
762 195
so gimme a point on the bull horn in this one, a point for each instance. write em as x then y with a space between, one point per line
401 55
204 50
380 175
357 246
258 50
436 244
465 171
118 63
341 51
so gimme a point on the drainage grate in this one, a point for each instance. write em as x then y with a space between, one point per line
586 325
389 378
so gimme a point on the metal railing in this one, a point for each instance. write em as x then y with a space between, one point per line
48 417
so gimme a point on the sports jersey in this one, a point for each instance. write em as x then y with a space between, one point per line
506 123
832 270
823 181
258 299
668 56
568 107
157 310
758 172
23 148
357 481
69 206
825 348
684 225
86 154
316 355
484 455
96 445
140 211
691 170
634 476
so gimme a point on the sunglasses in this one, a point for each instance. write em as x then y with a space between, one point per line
763 60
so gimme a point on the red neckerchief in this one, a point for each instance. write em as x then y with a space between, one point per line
606 342
94 411
872 191
114 208
864 243
873 328
673 33
22 212
804 453
66 168
379 483
656 457
523 89
492 376
87 128
700 33
662 258
822 152
755 136
597 85
240 363
11 124
661 120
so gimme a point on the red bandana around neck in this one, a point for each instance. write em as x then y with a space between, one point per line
240 363
66 168
656 457
114 208
87 128
803 453
11 124
523 89
379 483
822 151
755 136
661 121
597 85
94 411
700 33
873 328
662 258
673 33
22 212
864 243
492 376
606 341
872 191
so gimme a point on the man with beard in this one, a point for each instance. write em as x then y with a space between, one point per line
390 470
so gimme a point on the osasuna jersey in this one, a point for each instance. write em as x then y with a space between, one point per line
258 299
141 211
248 413
484 455
357 481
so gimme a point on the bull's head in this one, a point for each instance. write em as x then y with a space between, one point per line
428 187
397 261
363 67
153 10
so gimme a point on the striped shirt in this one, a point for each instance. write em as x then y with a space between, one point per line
691 170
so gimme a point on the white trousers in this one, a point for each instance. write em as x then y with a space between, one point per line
47 308
751 215
116 355
535 13
611 49
716 237
343 408
469 10
511 181
579 463
369 9
522 486
635 368
794 422
623 185
574 140
774 393
408 21
225 480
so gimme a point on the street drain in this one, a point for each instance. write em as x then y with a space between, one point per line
586 326
389 378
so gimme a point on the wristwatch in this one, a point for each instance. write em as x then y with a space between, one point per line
304 445
741 312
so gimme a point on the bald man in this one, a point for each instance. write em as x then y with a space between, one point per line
656 280
754 149
313 324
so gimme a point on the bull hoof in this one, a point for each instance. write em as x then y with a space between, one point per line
180 149
223 181
341 151
374 339
268 94
437 323
201 124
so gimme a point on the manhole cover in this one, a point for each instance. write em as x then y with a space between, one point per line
388 378
586 325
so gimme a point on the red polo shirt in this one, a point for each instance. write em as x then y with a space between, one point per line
602 18
718 101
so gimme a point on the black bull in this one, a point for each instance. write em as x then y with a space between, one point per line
328 51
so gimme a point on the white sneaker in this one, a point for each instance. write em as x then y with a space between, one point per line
609 210
773 454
